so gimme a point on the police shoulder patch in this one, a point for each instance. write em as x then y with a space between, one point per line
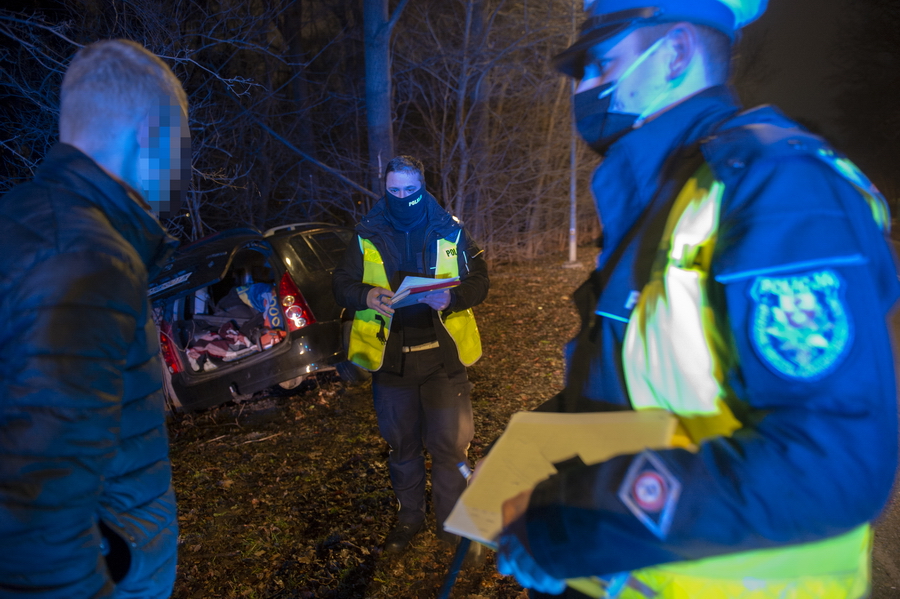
650 492
799 325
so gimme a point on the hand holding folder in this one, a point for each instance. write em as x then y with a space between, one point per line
531 449
412 289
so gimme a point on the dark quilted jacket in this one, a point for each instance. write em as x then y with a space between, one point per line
84 466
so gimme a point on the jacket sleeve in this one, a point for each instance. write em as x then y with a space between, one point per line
69 322
346 282
815 456
474 281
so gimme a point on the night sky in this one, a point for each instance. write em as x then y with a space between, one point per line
799 44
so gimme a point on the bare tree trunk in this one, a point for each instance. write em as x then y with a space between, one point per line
462 106
470 116
479 119
304 131
378 85
537 217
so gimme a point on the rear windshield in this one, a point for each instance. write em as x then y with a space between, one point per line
321 250
202 264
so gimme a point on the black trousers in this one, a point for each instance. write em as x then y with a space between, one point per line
425 409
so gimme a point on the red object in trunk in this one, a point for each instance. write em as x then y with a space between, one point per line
296 310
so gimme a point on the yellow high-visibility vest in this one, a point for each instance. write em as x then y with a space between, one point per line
673 312
370 331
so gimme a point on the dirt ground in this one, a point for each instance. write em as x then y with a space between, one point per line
287 495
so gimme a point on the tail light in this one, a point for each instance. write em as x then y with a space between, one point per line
168 352
296 310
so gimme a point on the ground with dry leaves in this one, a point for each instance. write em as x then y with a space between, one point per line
288 496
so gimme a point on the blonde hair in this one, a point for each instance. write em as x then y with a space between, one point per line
113 84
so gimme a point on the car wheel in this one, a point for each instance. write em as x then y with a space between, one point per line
292 383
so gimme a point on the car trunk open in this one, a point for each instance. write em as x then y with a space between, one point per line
218 303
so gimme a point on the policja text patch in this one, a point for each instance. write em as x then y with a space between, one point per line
799 326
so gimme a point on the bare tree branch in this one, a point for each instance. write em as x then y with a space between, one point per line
325 168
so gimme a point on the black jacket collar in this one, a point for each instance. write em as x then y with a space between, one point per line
631 173
71 169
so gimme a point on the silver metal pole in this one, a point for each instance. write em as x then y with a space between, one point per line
573 183
573 197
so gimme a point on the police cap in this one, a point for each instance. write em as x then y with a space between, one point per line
608 18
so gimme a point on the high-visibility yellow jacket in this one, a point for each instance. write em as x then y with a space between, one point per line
372 260
370 332
749 302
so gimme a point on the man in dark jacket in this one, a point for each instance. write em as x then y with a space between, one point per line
743 287
418 353
86 502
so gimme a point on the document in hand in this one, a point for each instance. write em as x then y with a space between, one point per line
414 288
529 447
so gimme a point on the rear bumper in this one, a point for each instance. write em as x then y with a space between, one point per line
314 348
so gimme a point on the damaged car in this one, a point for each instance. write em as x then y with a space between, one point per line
242 311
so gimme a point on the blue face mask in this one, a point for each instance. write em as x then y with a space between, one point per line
599 127
596 123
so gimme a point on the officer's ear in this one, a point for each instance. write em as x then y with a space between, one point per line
684 42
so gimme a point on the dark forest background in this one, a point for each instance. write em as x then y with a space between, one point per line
296 105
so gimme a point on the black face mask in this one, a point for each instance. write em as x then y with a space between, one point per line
406 212
599 127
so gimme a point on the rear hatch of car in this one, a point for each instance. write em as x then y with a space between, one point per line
222 300
311 252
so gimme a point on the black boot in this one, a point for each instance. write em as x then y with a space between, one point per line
401 535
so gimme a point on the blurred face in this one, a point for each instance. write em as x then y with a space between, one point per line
609 62
402 183
164 168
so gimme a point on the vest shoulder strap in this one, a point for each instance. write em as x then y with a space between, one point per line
731 148
736 147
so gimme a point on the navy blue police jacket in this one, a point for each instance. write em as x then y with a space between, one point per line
816 457
87 508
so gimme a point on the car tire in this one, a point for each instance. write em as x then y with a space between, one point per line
292 383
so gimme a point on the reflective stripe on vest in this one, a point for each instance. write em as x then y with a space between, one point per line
370 330
674 313
461 325
877 204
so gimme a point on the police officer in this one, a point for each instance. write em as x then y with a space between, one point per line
418 353
743 286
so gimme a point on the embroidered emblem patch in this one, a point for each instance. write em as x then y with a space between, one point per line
651 493
799 326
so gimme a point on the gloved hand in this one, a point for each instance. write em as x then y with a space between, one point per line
514 560
439 300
